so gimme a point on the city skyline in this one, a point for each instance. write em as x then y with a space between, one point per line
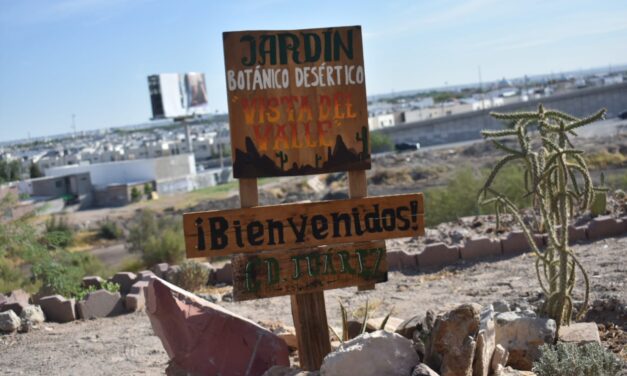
91 57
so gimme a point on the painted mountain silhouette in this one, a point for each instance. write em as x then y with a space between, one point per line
251 164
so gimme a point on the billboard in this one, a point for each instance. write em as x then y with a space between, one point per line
175 95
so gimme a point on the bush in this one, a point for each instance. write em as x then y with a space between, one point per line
106 285
135 194
158 239
192 276
380 143
568 359
58 233
110 230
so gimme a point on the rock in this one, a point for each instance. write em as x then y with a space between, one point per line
407 327
580 333
16 301
480 248
499 359
400 260
204 338
9 321
31 316
58 309
605 226
172 274
516 243
577 234
509 371
134 302
452 341
288 371
145 275
100 303
160 269
225 274
522 336
391 325
139 287
286 333
125 280
372 354
93 281
486 342
3 299
501 306
354 329
423 370
437 254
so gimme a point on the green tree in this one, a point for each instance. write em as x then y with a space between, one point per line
34 170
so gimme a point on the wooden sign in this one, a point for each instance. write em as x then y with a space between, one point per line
288 226
297 101
290 272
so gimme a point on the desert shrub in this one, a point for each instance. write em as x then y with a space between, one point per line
569 359
110 230
192 276
380 142
106 285
157 239
10 277
457 199
58 234
135 194
604 159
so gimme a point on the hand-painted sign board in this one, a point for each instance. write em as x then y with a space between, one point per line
290 272
297 101
299 225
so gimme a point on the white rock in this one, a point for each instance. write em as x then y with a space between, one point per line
486 342
372 354
522 336
33 314
9 321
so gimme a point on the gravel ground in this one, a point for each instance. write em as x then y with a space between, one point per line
126 344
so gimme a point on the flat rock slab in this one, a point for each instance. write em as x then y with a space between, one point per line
400 260
522 337
480 248
516 243
58 309
93 281
101 303
205 339
125 280
134 302
16 301
224 274
604 227
437 254
579 333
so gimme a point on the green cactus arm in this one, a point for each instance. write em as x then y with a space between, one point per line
506 148
497 168
500 133
598 116
554 114
515 116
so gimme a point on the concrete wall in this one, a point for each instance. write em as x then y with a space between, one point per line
466 126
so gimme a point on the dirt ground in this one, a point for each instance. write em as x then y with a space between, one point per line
126 344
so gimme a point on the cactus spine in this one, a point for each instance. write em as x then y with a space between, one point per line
551 167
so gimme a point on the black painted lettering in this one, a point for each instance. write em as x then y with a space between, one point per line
272 226
254 230
217 228
339 218
319 226
388 219
299 233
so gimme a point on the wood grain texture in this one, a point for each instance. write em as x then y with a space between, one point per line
297 101
358 187
247 230
312 331
277 273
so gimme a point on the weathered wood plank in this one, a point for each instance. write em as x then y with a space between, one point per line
247 230
297 101
310 321
277 273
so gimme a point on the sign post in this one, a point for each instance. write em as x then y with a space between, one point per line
297 106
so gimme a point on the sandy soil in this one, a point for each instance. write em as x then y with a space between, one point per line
127 345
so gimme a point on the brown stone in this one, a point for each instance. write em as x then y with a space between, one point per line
225 274
58 309
579 333
125 280
516 243
605 227
93 281
16 301
205 339
160 269
134 302
400 260
499 358
100 303
437 254
577 234
486 342
452 341
480 248
145 275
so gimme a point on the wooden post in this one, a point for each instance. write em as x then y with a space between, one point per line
357 188
312 330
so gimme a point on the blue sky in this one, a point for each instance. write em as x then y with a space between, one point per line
91 57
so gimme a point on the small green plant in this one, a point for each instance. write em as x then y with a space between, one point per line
135 194
110 230
106 285
569 359
148 190
380 143
192 276
158 239
58 233
551 166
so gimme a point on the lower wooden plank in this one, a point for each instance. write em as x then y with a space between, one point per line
312 330
278 273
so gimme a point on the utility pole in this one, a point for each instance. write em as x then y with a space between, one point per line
74 125
481 88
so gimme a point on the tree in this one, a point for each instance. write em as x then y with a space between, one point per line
35 172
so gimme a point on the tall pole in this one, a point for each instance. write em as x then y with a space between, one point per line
481 88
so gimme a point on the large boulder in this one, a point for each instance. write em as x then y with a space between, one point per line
423 370
16 301
579 333
372 354
486 342
453 341
100 303
203 338
522 337
58 308
9 322
31 317
125 280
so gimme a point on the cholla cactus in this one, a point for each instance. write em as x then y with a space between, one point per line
551 166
